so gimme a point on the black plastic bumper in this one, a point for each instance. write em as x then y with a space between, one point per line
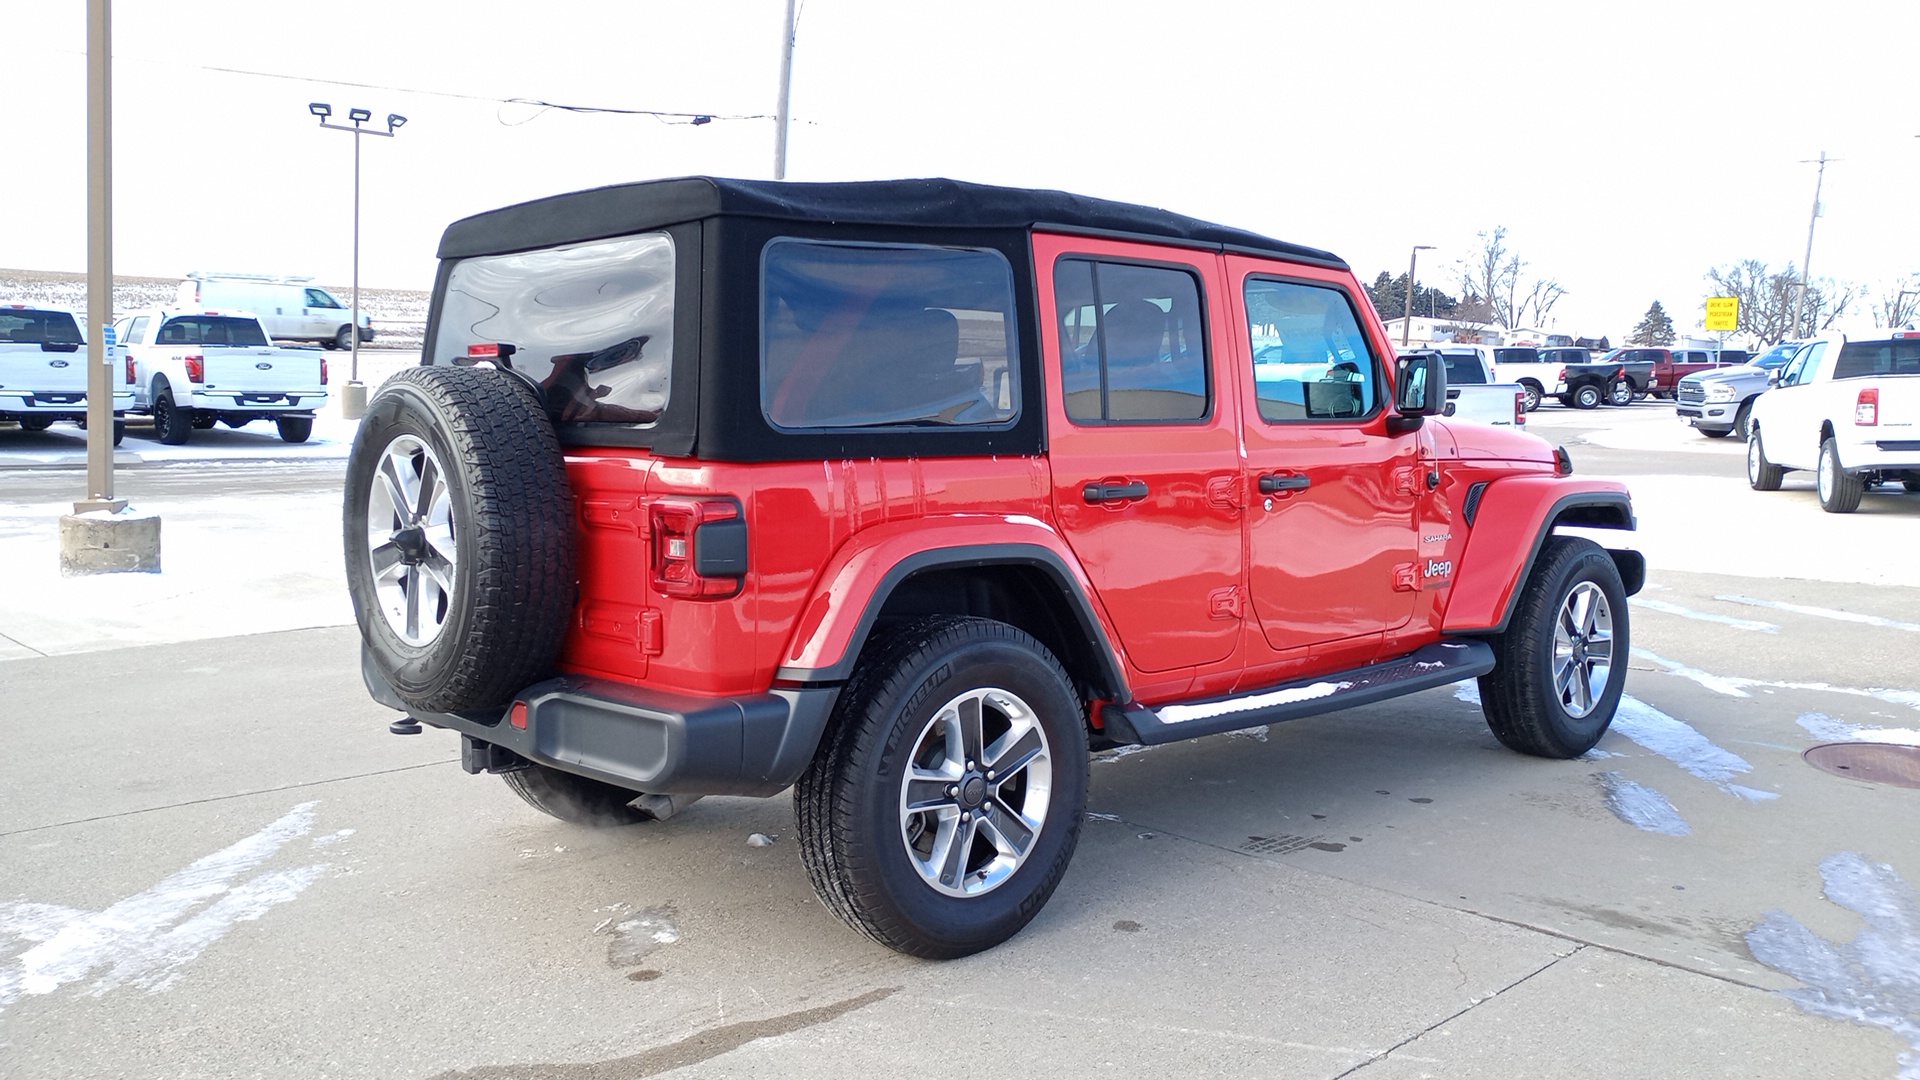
648 740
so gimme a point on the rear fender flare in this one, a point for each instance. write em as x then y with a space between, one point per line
1514 519
863 574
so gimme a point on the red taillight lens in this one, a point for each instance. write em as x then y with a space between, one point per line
1866 408
1563 374
129 371
323 371
196 368
487 351
699 547
1519 408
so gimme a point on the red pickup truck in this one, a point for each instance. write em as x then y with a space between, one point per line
907 494
1672 365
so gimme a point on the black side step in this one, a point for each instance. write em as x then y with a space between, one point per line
1435 665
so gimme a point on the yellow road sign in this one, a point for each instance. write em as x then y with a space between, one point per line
1723 313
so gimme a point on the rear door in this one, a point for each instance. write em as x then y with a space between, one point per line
1331 520
1141 440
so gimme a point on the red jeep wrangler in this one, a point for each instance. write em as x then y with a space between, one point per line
907 494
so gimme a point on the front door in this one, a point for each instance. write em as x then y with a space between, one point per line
1141 440
1331 521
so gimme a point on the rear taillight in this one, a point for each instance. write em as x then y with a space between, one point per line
323 371
1519 408
1563 374
196 368
699 548
129 371
1866 408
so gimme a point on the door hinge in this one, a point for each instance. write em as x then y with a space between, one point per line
1224 603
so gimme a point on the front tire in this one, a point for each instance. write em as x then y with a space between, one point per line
343 339
1586 397
1762 475
942 808
1743 420
1562 661
459 537
1715 433
577 800
1840 490
171 424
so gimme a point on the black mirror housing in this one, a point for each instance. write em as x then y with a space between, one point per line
1419 384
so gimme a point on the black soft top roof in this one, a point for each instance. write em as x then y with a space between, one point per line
623 209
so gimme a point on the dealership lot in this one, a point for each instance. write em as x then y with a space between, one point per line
215 861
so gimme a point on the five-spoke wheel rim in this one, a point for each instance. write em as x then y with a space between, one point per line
410 541
975 797
1582 649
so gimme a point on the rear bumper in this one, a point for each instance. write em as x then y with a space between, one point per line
643 739
1886 451
59 405
269 402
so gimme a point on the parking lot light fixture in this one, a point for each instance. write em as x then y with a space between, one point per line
353 396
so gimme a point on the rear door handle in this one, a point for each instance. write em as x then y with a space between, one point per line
1273 482
1099 493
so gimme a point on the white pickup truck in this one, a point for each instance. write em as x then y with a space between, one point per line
1847 407
43 370
195 369
1472 393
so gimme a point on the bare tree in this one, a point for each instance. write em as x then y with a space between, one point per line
1766 299
1899 303
1497 274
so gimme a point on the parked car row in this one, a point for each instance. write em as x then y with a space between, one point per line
189 369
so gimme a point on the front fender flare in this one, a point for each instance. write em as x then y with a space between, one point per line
1514 519
855 586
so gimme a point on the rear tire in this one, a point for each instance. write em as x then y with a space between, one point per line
1840 490
1587 397
1912 486
576 800
1532 392
1762 475
35 423
171 424
459 536
1562 662
1621 394
946 799
294 429
119 431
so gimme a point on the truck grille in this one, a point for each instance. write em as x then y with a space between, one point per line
1692 394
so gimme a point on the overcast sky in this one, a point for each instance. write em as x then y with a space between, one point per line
1626 146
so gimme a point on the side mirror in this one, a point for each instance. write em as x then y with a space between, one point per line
1419 390
1773 377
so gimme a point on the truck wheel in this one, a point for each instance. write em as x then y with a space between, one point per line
1587 397
1743 420
459 537
1715 432
1912 486
343 339
1840 490
35 423
294 429
945 802
1621 394
1532 392
119 430
1562 661
171 424
577 800
1762 475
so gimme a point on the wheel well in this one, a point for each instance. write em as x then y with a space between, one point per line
1528 381
1025 597
1826 431
159 383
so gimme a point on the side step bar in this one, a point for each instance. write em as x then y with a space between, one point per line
1435 665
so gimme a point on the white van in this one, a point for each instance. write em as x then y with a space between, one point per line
289 307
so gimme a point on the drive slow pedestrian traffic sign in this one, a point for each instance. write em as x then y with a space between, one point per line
1723 313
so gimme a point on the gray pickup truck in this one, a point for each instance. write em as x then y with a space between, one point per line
1718 402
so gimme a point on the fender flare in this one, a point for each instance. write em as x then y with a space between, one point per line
840 615
1484 593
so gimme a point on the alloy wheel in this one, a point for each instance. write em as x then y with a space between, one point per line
976 793
1582 648
410 541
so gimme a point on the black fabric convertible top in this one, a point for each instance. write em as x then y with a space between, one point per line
623 209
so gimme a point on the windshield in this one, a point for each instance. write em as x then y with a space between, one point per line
591 324
1777 356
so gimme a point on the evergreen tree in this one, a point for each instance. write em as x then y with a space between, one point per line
1654 329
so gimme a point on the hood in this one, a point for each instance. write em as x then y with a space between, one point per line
1484 442
1738 371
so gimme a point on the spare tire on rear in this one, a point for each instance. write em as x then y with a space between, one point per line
459 537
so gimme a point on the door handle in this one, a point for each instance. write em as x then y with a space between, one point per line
1273 482
1099 493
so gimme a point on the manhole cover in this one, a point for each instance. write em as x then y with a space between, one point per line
1879 763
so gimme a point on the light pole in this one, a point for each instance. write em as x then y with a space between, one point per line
1806 273
1406 319
353 396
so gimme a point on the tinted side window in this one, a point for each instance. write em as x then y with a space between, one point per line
867 335
1865 359
1132 342
211 330
138 328
1802 365
1310 360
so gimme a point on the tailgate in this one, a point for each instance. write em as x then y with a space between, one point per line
27 368
260 370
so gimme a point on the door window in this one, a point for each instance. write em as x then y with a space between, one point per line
1310 360
138 328
1132 343
1803 365
321 298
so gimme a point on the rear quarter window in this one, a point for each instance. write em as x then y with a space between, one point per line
856 335
1866 359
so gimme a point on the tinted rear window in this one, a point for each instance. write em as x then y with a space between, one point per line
1516 356
39 328
1865 359
1462 370
211 330
879 335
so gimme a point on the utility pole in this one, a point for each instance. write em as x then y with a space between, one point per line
787 30
1806 273
1406 318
